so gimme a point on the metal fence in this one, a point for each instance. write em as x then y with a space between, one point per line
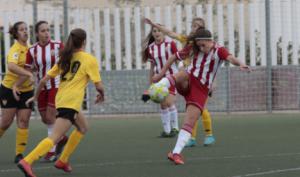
262 33
238 92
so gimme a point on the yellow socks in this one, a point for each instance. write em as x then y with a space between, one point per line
21 140
194 132
206 120
1 132
40 150
71 145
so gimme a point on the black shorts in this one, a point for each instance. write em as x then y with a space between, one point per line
8 100
67 113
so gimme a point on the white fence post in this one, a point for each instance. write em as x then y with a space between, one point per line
188 18
57 25
230 17
220 24
138 39
252 36
199 11
209 18
107 39
263 47
97 33
241 33
117 36
285 26
178 23
157 15
168 19
127 39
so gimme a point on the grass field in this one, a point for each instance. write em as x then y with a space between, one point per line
265 145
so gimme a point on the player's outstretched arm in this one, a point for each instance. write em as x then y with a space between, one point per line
163 29
163 71
41 85
233 60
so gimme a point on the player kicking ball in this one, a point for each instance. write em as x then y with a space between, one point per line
195 84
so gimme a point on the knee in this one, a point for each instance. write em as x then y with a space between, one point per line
48 121
4 126
83 130
22 123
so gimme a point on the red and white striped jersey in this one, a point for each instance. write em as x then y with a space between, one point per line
43 58
205 66
160 53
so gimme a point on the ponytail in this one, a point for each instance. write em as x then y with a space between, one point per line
13 30
145 51
75 41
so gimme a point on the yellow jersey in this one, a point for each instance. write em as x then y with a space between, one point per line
183 39
17 54
70 94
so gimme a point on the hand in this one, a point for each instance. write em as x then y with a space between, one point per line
99 98
16 92
156 78
244 67
30 100
148 21
31 79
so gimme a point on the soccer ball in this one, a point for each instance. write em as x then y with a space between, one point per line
158 93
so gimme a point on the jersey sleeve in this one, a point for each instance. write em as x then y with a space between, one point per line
173 47
13 56
92 70
54 71
223 53
184 53
29 60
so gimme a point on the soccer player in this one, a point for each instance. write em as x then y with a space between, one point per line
197 23
207 57
41 57
10 107
157 50
75 68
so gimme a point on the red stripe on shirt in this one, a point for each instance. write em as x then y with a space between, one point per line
52 81
36 62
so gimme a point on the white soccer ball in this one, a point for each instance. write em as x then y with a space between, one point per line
158 92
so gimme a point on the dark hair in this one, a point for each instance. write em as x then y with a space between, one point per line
75 41
13 30
149 39
200 33
37 26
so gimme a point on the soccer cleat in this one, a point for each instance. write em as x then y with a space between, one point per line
167 135
145 96
191 143
18 158
209 140
26 168
174 131
63 166
176 158
50 157
60 145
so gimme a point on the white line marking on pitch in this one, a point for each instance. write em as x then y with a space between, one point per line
155 161
270 172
